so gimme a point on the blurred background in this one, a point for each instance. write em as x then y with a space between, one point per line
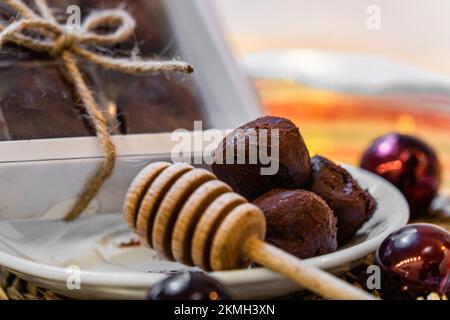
348 71
411 31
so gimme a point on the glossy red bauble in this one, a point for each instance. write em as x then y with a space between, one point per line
415 261
408 163
189 286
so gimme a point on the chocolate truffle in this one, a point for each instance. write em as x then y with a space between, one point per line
288 157
351 204
37 103
299 222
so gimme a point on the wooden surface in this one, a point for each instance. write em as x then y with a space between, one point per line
311 278
137 190
168 210
188 221
216 211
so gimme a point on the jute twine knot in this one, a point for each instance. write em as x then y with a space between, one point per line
64 42
42 33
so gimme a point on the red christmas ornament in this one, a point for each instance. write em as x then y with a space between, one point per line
415 261
408 163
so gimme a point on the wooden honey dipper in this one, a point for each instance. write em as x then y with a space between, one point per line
188 215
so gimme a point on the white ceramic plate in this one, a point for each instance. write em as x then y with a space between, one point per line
45 252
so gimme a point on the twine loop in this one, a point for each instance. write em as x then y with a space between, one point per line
42 33
54 38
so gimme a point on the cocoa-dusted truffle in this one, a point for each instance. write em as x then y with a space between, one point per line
37 103
289 156
299 222
351 204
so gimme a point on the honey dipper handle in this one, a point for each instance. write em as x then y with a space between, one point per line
309 277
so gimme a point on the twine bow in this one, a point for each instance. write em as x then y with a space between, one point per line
43 33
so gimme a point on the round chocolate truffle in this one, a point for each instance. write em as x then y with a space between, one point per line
261 155
299 222
351 204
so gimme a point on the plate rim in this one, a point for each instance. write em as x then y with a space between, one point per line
135 279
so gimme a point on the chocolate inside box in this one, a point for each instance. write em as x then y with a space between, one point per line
37 101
